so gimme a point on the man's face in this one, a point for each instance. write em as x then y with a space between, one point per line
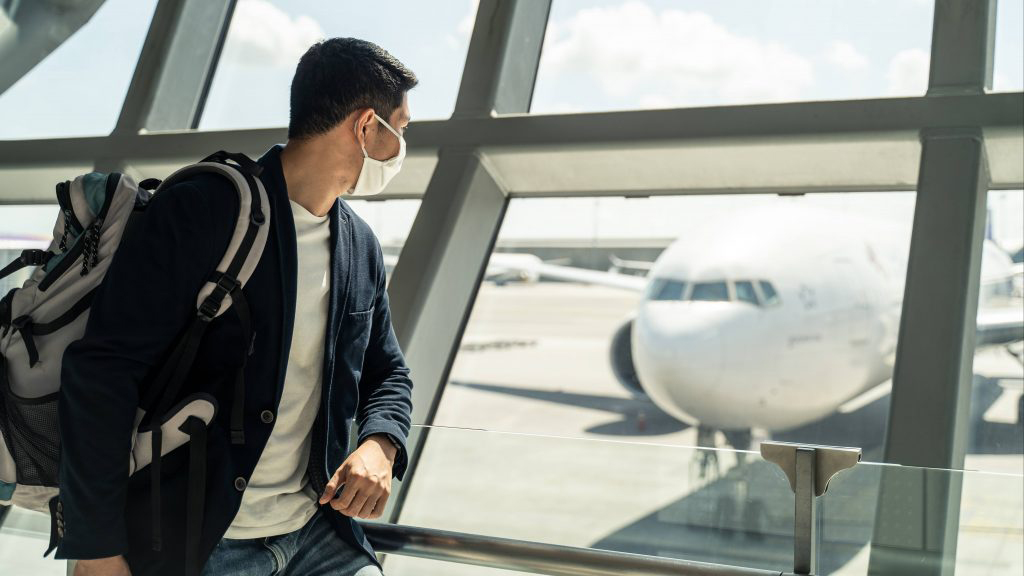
381 144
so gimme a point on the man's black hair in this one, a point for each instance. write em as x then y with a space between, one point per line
337 76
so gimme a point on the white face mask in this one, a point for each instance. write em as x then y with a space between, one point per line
376 174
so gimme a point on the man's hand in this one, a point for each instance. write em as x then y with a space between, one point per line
366 476
112 566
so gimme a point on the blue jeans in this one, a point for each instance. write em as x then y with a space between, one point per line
313 550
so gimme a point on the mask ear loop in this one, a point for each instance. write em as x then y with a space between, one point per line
355 131
388 126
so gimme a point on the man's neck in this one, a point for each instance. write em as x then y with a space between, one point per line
313 178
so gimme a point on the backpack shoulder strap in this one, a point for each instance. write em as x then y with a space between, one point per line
222 289
251 229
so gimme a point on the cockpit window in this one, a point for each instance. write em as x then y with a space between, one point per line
745 292
710 292
770 295
665 289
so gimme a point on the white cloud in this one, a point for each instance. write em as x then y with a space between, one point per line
1000 81
460 38
846 56
262 34
466 24
672 57
908 73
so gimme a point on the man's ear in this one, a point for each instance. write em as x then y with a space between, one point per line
363 119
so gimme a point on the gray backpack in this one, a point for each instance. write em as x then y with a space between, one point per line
49 312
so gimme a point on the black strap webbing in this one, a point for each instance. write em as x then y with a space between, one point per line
241 307
24 326
169 382
66 318
29 257
29 330
154 486
243 161
179 360
196 430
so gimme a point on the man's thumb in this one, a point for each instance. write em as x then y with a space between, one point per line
332 486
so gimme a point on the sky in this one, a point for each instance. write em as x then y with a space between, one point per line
598 55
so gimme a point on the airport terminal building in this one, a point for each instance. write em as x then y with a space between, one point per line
681 288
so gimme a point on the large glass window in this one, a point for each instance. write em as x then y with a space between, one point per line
599 360
78 89
1008 73
21 228
997 403
629 54
266 39
391 221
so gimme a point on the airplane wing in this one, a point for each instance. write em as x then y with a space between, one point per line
609 279
1000 325
533 267
620 264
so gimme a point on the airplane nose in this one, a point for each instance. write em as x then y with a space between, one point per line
680 354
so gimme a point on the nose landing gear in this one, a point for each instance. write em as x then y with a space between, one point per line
705 466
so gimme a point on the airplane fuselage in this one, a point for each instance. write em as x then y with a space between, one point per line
818 328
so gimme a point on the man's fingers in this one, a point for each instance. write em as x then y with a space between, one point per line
357 503
381 503
367 509
348 493
332 485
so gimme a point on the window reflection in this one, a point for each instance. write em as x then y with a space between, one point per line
710 292
745 292
665 289
770 295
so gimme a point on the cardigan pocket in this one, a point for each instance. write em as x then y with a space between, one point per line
354 338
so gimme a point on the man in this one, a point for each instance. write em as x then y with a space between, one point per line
286 500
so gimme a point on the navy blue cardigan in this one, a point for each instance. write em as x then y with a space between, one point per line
146 300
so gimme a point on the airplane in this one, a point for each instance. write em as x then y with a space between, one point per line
773 319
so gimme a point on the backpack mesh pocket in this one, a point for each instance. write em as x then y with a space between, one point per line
30 430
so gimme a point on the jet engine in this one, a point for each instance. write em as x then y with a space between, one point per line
621 356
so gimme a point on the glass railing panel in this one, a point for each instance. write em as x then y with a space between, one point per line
881 518
990 539
708 505
719 506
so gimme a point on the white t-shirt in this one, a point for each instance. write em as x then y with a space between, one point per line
278 499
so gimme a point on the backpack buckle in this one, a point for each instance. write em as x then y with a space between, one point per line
223 286
227 284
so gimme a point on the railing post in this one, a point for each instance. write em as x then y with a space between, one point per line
809 469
